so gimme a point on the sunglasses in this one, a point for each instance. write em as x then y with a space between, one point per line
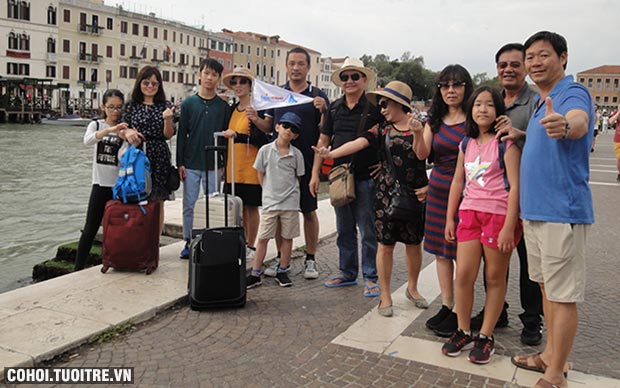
240 81
146 83
383 104
354 77
448 85
114 107
290 126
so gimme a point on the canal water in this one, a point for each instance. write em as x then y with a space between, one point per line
45 180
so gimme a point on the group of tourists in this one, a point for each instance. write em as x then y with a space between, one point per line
491 189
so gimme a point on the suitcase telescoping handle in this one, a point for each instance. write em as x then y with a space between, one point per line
215 149
231 145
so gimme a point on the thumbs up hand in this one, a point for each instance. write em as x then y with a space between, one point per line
554 123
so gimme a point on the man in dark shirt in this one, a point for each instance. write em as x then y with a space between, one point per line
348 117
311 114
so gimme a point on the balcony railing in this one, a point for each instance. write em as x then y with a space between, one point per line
92 29
52 57
89 58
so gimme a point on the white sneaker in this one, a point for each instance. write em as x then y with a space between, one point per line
311 272
273 270
249 253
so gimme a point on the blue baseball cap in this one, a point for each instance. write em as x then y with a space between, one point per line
293 119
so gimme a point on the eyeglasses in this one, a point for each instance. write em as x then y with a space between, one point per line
383 104
146 83
114 107
240 81
448 85
354 77
290 126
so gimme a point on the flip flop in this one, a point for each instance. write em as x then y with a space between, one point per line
539 365
342 282
369 293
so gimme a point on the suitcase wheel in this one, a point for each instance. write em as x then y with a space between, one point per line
149 270
104 269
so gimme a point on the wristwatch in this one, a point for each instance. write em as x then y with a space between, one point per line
567 124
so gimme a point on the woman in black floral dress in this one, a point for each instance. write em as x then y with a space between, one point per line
394 102
150 115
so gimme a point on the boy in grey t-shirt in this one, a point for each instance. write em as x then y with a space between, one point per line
279 165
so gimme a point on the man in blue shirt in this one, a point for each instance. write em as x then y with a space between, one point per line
311 114
556 202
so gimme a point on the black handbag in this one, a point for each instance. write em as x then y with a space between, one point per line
402 206
174 181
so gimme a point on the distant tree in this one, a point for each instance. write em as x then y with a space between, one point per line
482 79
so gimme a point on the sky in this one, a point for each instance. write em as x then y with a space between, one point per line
467 32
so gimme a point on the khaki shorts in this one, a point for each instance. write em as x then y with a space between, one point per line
617 150
287 219
556 257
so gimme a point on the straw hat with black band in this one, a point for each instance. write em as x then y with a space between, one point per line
396 91
353 64
237 72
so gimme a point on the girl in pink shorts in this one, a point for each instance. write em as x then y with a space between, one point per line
489 226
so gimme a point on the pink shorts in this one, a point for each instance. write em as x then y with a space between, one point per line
475 225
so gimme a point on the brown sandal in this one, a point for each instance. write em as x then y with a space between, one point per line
538 366
542 383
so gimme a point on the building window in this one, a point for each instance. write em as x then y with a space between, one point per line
66 72
212 44
235 47
174 36
155 33
614 100
278 53
24 42
123 27
13 41
94 76
228 64
123 72
265 52
598 99
241 49
66 46
145 31
607 83
258 51
122 50
133 72
18 10
271 72
180 78
51 45
133 52
249 50
220 46
51 15
17 68
589 82
50 71
154 53
108 51
272 55
616 84
66 15
264 71
173 74
257 69
165 34
187 40
135 29
605 99
108 76
249 67
165 76
582 81
82 74
181 37
109 24
194 41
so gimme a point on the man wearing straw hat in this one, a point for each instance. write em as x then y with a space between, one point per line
311 114
348 117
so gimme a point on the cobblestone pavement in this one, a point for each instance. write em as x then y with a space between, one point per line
282 338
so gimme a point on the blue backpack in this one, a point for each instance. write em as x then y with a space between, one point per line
502 150
133 184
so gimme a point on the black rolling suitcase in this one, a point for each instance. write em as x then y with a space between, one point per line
217 263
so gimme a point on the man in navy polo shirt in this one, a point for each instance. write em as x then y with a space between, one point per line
311 114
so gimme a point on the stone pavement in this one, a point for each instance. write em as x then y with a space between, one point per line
313 336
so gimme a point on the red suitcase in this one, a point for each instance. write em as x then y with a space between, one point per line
130 237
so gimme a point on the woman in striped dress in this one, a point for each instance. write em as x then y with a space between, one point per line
441 137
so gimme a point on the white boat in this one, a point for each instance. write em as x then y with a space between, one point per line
66 120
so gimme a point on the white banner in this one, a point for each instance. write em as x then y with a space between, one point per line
266 96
